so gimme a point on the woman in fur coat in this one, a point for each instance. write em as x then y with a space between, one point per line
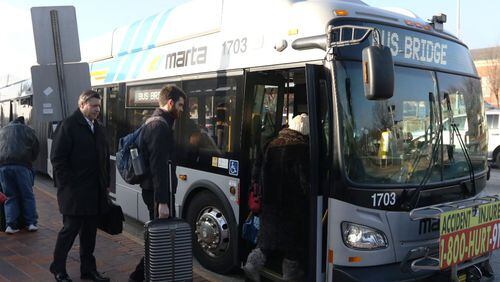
285 181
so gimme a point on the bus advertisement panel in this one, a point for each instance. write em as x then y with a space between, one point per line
468 233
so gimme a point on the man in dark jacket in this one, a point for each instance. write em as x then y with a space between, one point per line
19 147
80 158
158 144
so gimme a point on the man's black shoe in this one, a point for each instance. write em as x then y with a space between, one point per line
136 276
62 277
94 276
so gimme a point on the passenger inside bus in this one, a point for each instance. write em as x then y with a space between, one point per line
200 141
221 125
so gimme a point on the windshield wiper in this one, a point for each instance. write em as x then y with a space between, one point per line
428 137
463 146
412 203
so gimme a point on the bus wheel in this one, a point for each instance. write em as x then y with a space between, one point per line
215 233
497 158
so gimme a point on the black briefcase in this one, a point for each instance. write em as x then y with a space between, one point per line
168 250
111 222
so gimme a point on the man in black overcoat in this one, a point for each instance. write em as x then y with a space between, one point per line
80 158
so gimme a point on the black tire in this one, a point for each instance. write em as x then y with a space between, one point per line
497 158
206 205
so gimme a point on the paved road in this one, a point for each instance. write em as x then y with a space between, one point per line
25 256
493 187
133 232
18 263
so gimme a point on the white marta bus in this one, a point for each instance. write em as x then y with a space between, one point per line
381 175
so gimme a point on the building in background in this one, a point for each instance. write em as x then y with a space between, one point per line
487 61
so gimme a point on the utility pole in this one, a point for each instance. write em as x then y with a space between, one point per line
458 19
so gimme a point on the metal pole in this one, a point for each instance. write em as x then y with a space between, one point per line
458 18
59 61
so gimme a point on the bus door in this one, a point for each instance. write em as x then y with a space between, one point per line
272 99
320 146
263 110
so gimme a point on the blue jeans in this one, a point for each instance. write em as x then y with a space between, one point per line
17 183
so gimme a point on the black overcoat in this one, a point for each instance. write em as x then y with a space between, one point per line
81 165
285 187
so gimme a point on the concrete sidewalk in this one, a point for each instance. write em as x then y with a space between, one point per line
26 256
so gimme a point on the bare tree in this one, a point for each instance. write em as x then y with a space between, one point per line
493 72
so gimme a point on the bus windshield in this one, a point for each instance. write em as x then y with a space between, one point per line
409 137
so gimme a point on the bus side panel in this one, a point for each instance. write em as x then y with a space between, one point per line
130 199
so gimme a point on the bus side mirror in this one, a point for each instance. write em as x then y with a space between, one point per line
378 72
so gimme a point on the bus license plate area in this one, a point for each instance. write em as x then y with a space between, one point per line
468 233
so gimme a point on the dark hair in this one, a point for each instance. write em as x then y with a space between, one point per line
19 119
170 91
87 95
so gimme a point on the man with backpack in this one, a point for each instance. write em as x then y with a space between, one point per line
158 146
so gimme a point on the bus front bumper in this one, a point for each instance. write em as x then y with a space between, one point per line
389 272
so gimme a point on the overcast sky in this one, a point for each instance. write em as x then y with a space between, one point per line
478 29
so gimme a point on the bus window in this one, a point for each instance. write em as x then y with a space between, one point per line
268 112
141 103
6 109
208 127
101 93
137 117
114 116
193 109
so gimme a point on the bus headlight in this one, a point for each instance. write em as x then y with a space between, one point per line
358 236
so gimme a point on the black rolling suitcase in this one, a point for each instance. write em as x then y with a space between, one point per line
168 250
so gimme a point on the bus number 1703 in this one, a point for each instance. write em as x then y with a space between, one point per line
234 46
384 199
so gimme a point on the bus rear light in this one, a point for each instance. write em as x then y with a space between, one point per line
362 237
341 13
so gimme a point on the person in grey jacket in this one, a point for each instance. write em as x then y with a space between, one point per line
19 147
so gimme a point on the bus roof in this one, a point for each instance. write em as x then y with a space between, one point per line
16 90
212 35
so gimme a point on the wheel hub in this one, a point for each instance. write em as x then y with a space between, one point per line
212 232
